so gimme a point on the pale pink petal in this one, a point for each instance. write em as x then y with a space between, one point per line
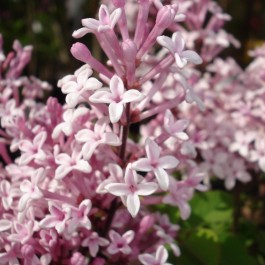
145 189
72 99
101 96
25 186
63 159
129 236
48 222
25 158
90 23
133 204
185 210
114 236
180 61
103 14
25 146
81 32
92 84
83 76
132 95
115 111
143 164
93 249
62 171
39 139
180 125
84 135
112 249
5 225
166 42
118 189
262 163
88 149
168 162
130 176
162 178
82 166
69 87
114 17
161 255
179 42
152 150
191 56
147 259
116 86
23 202
111 139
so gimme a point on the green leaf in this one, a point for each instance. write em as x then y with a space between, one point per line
200 248
234 252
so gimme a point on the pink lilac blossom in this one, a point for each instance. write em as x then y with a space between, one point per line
81 184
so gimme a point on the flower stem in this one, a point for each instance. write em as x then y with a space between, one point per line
125 132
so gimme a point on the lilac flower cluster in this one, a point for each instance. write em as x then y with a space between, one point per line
230 133
76 187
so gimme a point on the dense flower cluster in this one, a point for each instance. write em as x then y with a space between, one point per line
76 186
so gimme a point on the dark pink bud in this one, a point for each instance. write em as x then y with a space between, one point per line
77 259
81 52
129 50
165 16
27 251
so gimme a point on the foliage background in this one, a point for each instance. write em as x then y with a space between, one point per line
226 228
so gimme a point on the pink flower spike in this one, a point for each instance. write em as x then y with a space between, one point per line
120 243
176 46
132 190
116 98
155 163
160 257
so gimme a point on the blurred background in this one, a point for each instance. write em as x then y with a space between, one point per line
48 26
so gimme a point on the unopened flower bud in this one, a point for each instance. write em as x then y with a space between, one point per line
81 52
166 16
78 259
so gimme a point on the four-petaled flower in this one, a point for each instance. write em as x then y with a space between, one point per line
32 150
120 243
93 241
100 135
106 21
79 85
116 97
68 164
176 46
58 217
155 163
131 189
175 128
30 189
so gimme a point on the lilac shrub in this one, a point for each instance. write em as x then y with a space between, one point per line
79 185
